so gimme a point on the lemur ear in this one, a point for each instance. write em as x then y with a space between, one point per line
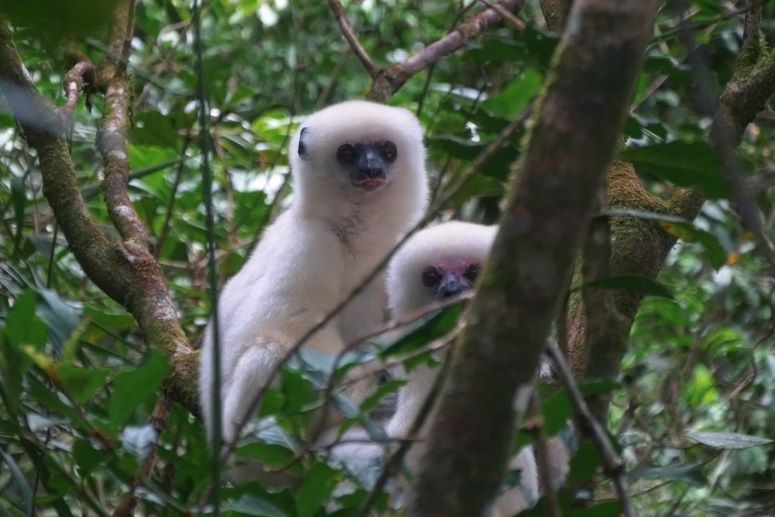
302 146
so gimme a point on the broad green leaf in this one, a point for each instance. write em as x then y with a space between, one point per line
700 390
141 156
510 102
61 318
297 390
23 326
635 283
719 440
257 502
690 233
270 454
437 326
87 457
132 388
82 383
692 164
317 488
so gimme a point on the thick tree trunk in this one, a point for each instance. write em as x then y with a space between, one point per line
546 217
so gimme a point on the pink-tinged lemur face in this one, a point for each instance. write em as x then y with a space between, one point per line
437 263
449 277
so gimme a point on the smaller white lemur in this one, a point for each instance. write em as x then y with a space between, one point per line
434 264
359 184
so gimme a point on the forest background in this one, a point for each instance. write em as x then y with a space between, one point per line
115 202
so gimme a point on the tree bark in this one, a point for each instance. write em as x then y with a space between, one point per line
549 205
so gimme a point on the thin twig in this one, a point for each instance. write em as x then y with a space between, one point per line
112 135
352 39
394 462
512 19
390 80
612 463
541 441
722 135
387 327
81 75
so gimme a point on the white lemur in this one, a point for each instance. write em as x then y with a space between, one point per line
359 184
434 264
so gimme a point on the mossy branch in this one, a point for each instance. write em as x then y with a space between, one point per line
125 271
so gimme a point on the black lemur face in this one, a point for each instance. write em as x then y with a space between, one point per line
449 278
366 163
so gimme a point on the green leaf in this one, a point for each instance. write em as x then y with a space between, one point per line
19 480
691 474
132 388
23 326
82 383
317 488
269 454
690 233
141 156
510 102
692 164
256 501
87 457
728 440
635 283
437 326
61 318
297 390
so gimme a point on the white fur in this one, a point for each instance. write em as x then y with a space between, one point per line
453 240
317 251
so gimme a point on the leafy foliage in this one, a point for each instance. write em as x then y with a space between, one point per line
79 386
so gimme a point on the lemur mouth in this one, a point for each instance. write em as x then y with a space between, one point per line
371 184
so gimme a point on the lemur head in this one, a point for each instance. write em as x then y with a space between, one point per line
359 149
436 263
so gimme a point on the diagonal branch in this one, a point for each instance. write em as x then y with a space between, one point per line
126 271
391 79
112 137
352 39
581 113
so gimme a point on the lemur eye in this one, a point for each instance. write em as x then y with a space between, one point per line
431 277
389 152
345 153
472 272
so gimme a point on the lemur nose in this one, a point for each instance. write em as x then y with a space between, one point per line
372 172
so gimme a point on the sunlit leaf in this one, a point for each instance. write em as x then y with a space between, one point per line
719 440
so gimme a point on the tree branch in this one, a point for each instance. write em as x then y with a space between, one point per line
639 247
550 201
126 271
112 137
352 39
391 79
612 463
